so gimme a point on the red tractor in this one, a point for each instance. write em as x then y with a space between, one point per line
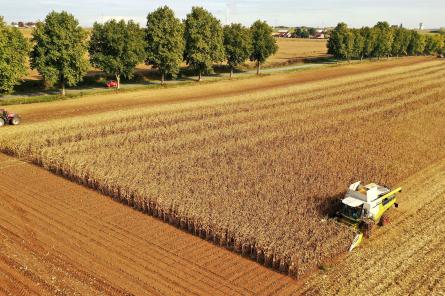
111 84
9 118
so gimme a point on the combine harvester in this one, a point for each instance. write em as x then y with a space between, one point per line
365 206
9 118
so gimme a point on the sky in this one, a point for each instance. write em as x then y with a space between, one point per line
315 13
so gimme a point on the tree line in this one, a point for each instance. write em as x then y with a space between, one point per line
60 46
305 32
382 40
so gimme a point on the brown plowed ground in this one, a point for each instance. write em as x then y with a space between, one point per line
193 92
59 237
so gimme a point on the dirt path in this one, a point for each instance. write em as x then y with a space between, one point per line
404 258
106 102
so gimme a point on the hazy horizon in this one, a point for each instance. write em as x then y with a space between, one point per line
277 13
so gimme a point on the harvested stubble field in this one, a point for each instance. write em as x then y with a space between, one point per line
256 172
292 50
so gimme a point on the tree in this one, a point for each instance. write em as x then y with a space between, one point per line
358 48
384 39
400 42
433 44
396 47
417 43
203 40
370 40
341 42
263 43
312 31
164 41
13 52
59 53
237 45
302 32
117 47
441 49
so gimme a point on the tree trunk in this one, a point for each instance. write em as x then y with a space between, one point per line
200 76
231 72
258 68
162 77
63 86
118 79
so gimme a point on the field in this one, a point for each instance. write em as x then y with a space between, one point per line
256 172
297 50
59 238
53 241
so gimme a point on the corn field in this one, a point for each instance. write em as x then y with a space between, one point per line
258 173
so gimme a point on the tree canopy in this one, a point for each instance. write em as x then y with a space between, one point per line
203 40
381 40
358 47
117 47
59 53
417 43
302 32
13 52
341 42
433 44
164 41
400 42
263 43
384 39
237 45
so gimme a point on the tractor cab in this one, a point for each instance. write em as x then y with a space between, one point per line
352 209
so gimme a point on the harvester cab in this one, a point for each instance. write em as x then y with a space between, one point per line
9 118
364 206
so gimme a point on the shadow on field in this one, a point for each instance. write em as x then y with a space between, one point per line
330 206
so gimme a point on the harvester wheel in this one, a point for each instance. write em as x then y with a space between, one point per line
367 228
384 220
16 120
2 122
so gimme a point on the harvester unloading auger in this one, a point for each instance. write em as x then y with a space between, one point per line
365 206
